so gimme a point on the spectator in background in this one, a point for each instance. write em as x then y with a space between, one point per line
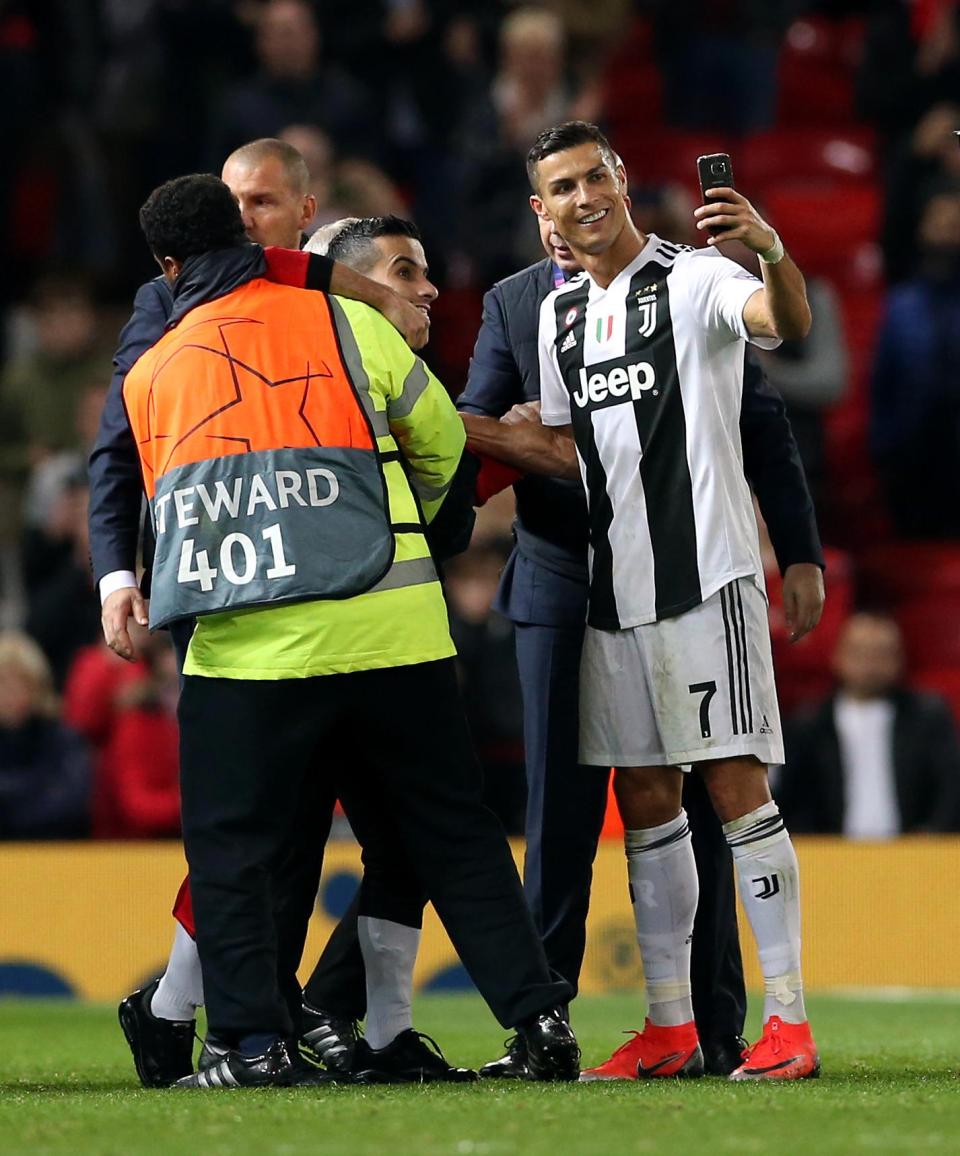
294 86
811 375
40 390
719 62
137 794
529 91
915 384
489 681
44 767
351 186
62 612
875 759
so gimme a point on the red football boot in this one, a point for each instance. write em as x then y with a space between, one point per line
656 1051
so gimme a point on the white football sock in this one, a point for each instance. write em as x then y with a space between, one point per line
180 991
664 892
389 952
769 879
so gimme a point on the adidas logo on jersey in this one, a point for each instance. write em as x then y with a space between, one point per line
568 342
622 381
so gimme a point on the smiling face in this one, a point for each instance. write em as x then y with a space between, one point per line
402 265
583 194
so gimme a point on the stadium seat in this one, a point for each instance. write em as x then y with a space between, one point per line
830 229
803 668
931 631
943 680
892 573
837 157
816 69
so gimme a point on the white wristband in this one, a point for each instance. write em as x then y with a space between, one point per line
775 253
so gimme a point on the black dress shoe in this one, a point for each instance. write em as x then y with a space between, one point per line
552 1052
511 1066
407 1060
162 1049
330 1038
722 1054
275 1068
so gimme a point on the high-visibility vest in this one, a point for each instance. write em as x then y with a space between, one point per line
259 461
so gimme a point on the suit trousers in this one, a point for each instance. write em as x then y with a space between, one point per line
565 809
248 751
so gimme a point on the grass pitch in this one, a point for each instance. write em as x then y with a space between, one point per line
890 1084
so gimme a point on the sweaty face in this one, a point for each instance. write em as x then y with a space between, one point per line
273 213
402 266
583 196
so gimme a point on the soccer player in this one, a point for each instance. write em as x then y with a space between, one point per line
641 364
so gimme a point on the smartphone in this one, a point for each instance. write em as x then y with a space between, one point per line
715 172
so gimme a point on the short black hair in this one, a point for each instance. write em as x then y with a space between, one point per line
191 215
353 245
567 136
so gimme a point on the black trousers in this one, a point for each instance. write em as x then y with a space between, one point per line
565 809
248 753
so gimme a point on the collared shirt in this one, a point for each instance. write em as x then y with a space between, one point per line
865 732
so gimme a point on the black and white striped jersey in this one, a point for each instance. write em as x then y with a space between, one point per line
649 372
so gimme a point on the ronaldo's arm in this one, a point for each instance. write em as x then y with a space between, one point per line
527 446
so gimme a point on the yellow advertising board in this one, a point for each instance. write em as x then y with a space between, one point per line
93 919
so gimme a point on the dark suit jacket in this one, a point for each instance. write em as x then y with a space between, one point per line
115 484
551 527
926 761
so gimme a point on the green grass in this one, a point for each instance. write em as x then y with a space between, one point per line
890 1085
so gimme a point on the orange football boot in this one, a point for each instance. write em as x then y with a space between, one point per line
784 1052
654 1052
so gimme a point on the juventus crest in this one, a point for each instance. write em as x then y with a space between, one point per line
647 310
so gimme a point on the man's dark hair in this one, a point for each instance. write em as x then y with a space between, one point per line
567 136
191 215
354 246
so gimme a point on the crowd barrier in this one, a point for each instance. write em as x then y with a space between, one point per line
92 920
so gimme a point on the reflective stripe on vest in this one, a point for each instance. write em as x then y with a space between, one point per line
259 460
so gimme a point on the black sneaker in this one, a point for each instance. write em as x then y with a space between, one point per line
511 1066
722 1054
162 1049
275 1068
407 1060
552 1052
329 1038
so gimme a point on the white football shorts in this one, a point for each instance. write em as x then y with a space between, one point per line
695 687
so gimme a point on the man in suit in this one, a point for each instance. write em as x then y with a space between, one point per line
875 759
544 593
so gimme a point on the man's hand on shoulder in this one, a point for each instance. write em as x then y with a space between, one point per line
412 323
117 610
523 411
803 598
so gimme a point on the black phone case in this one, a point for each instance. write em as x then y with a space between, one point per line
715 171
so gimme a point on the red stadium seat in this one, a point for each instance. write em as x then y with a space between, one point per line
931 631
943 680
816 72
896 572
837 157
830 230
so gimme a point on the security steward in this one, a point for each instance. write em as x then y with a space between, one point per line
270 423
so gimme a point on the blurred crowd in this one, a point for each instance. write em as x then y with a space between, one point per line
840 118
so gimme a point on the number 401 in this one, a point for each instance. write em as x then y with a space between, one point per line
195 564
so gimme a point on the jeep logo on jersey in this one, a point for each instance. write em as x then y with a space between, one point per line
620 382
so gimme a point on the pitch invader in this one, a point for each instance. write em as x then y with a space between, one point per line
641 364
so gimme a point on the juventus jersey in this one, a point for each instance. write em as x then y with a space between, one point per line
649 372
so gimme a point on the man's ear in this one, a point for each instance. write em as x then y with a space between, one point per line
309 211
171 267
537 205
